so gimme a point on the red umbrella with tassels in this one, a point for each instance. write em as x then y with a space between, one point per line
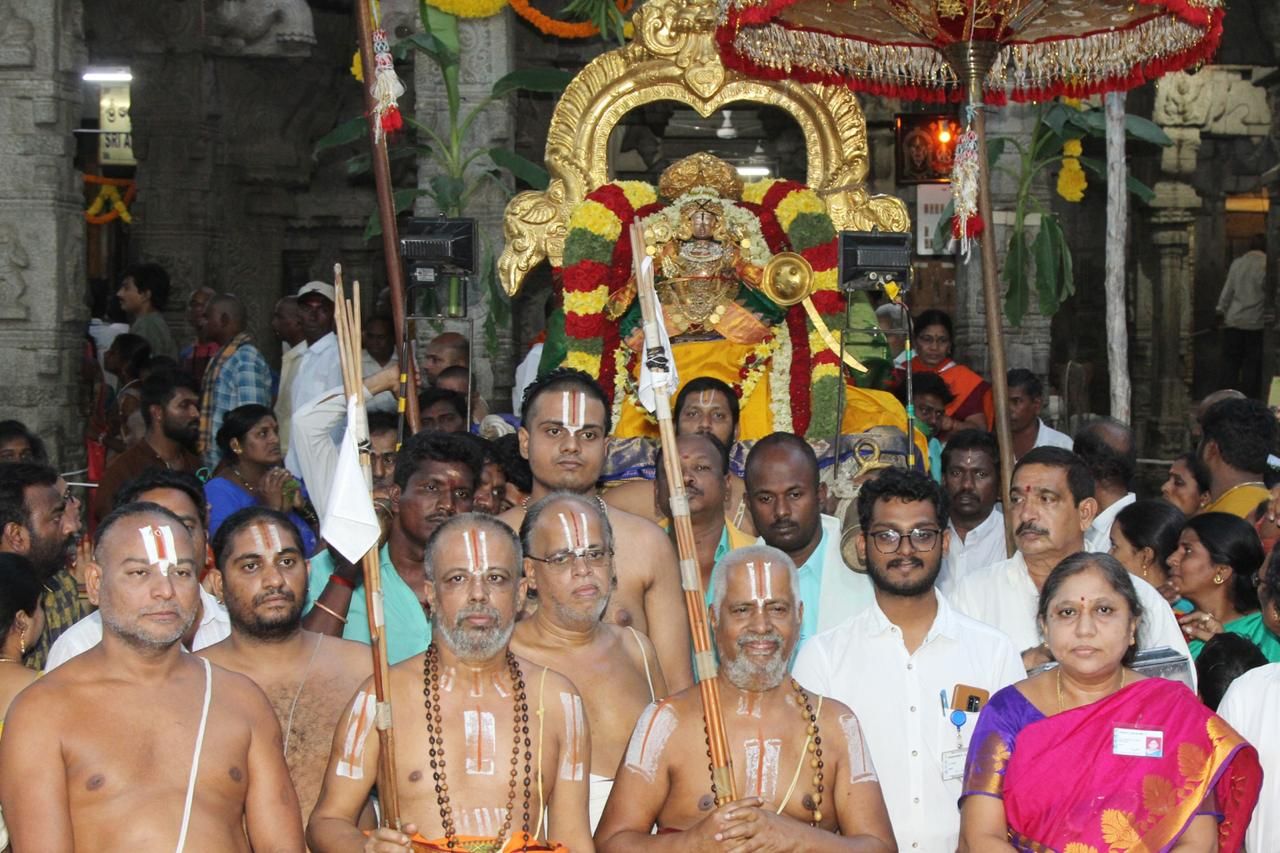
974 50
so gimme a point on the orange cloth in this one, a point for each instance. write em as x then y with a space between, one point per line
476 844
972 393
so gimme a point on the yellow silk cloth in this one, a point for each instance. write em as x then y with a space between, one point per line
721 359
476 844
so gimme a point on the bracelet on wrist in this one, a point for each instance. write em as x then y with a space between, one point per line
341 581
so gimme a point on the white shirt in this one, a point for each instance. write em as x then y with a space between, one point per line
983 546
1244 295
526 374
896 697
289 361
1098 537
215 626
383 401
319 370
1004 596
1250 706
1047 436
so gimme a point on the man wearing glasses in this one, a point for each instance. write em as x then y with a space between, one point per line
914 670
568 560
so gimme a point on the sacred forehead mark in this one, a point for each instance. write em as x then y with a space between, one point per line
157 540
572 767
574 527
573 410
477 551
706 398
760 575
762 767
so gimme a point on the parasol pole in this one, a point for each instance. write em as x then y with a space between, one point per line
347 329
971 60
387 217
704 659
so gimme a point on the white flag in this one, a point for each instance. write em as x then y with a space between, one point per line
349 522
654 382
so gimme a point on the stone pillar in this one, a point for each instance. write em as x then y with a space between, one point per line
42 306
486 58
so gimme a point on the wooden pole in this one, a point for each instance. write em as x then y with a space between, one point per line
1117 231
704 659
387 216
348 331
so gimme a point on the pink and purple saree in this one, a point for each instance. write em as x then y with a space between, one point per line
1065 790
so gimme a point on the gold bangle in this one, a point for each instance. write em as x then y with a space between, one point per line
331 612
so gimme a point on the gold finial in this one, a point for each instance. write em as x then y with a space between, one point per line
700 170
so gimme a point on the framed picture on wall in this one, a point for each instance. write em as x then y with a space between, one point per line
926 147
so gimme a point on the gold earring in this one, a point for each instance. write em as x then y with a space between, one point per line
1217 578
22 645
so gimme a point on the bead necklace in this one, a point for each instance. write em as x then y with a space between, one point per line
435 735
814 741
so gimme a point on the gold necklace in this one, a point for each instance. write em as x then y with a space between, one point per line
1058 677
10 660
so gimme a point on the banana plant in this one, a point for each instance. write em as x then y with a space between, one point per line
1056 125
458 169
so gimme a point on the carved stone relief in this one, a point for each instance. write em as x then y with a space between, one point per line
17 38
13 284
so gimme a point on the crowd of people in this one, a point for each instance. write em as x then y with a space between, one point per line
1081 670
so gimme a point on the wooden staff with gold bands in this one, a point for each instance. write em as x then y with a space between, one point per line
704 660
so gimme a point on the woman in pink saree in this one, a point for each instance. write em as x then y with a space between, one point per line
1092 757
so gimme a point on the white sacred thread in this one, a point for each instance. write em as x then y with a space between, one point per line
158 542
762 767
359 724
861 768
482 742
571 767
573 410
650 736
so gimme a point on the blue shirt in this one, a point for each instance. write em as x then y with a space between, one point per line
407 626
225 497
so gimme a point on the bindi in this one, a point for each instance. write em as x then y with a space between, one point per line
573 410
157 541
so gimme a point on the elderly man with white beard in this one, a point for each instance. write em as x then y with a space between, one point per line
789 797
503 742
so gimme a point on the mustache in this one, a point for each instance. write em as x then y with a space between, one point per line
910 562
750 637
475 610
1028 527
284 592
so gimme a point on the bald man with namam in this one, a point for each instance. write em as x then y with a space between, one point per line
565 437
136 745
445 350
804 776
569 560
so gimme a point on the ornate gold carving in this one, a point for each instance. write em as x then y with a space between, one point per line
699 170
674 58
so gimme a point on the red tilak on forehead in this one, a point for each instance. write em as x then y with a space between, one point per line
477 551
573 410
574 526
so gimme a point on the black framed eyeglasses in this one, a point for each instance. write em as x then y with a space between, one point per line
594 558
923 539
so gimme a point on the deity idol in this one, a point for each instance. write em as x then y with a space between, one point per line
746 275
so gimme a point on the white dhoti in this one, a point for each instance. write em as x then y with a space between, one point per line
600 787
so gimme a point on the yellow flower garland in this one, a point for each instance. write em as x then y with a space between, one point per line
596 218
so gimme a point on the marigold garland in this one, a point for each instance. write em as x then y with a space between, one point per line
109 204
470 8
550 26
791 217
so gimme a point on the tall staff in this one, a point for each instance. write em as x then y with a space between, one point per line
387 216
657 360
347 319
